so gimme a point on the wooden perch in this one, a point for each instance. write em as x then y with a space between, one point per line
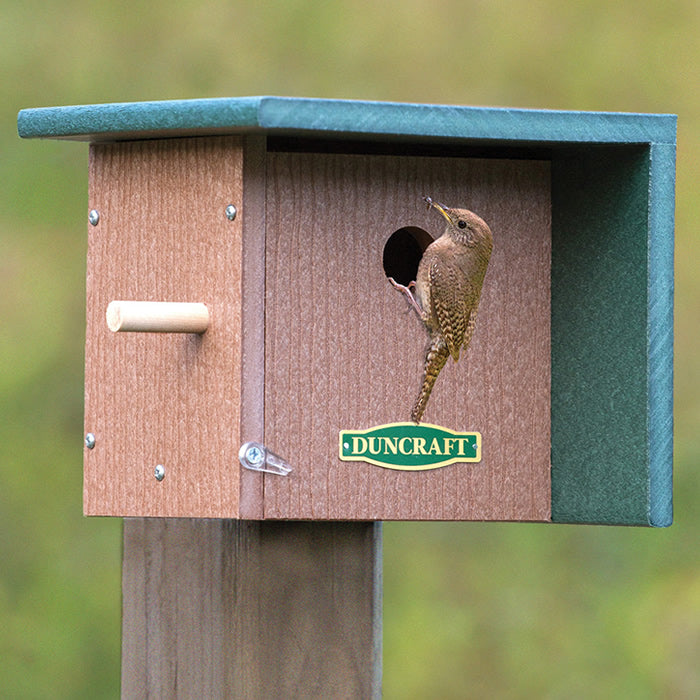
157 317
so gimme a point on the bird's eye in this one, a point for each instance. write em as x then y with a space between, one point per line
462 224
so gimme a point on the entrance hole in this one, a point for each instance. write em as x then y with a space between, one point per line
403 251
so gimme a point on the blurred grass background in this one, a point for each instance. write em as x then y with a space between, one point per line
470 610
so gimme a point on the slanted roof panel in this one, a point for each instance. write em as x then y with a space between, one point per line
319 117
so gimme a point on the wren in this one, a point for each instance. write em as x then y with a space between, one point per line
447 291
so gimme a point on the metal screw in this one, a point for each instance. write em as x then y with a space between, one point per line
94 217
159 472
231 212
89 441
255 455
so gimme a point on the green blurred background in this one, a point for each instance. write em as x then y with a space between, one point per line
470 610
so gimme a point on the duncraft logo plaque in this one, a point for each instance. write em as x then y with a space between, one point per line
409 446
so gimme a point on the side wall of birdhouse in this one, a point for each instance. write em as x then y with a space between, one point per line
612 330
165 399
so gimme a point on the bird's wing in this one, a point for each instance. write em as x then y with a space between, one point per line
451 298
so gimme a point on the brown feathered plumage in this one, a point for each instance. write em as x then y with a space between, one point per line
448 287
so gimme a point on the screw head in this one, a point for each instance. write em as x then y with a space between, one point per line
255 456
94 217
89 441
231 212
159 472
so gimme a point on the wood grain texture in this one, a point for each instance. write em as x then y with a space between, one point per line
253 336
224 609
164 399
344 352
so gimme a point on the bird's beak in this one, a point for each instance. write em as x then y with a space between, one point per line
440 207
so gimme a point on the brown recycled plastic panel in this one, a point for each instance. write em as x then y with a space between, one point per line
161 398
344 352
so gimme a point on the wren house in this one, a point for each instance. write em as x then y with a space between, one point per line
263 232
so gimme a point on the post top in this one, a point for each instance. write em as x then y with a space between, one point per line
330 118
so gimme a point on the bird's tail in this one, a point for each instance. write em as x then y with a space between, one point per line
435 360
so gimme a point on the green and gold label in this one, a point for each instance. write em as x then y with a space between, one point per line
409 446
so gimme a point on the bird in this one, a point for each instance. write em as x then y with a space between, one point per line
447 291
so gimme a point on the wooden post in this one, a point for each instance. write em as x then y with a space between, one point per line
250 609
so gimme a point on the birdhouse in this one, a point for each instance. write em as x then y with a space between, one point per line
261 316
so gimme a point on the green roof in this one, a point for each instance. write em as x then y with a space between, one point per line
347 118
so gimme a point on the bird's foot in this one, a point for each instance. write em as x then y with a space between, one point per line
406 291
401 287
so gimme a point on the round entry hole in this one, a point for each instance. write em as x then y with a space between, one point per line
403 251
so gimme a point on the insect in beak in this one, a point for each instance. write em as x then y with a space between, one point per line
440 207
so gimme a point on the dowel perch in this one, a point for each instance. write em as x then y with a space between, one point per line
157 317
